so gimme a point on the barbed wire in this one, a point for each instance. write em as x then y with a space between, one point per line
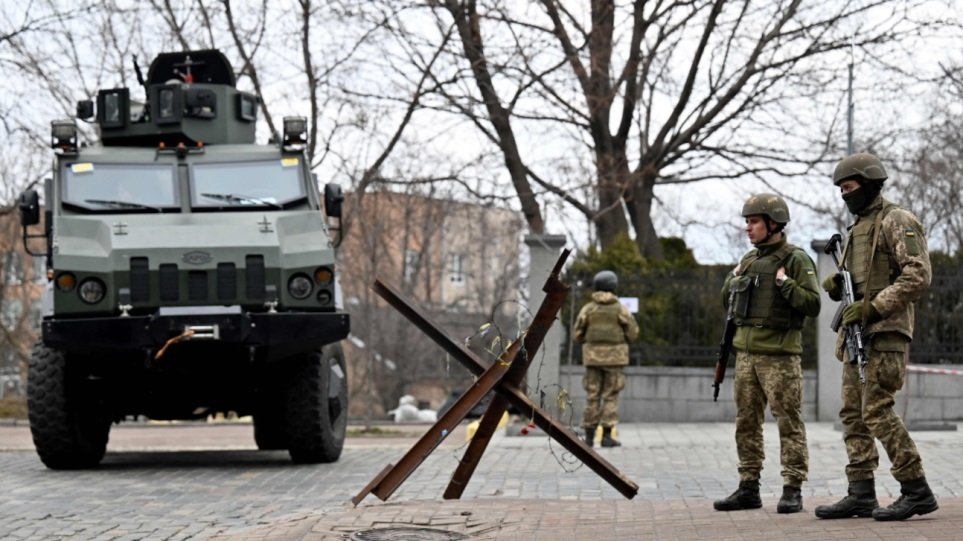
501 340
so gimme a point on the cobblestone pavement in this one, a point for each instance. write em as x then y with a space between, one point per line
195 482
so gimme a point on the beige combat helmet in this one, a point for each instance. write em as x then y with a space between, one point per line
859 166
767 204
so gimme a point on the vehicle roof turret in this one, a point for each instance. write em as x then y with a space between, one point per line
191 99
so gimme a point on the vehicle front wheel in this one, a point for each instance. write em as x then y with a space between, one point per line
316 407
69 428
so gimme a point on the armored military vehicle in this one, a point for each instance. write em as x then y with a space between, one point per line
191 271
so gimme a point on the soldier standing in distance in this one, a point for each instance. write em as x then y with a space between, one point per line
605 328
775 288
887 256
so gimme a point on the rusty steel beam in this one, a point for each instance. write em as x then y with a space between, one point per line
476 448
444 426
503 378
556 293
569 441
394 475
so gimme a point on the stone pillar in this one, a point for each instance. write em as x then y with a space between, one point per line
545 370
829 375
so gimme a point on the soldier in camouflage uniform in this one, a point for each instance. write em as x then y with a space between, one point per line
772 291
605 328
887 257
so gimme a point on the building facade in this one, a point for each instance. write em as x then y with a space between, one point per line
22 278
458 261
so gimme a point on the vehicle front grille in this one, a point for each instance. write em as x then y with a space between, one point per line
220 285
139 279
254 287
168 282
226 281
197 285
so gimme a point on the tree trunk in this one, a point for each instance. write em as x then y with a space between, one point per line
612 177
468 23
639 203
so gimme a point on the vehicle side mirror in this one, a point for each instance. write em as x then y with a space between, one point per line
333 197
29 208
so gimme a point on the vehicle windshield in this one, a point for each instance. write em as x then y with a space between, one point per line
255 185
121 187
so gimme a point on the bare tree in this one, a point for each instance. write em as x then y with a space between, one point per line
659 93
931 182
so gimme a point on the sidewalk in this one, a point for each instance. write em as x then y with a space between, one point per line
504 519
680 470
193 481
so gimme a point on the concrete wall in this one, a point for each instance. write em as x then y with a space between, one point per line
670 394
675 394
931 398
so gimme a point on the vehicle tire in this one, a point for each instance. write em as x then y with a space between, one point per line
316 407
69 427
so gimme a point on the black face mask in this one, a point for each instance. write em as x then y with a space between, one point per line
859 199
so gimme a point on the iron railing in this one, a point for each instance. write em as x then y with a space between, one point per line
681 318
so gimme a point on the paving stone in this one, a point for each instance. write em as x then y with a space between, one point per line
211 483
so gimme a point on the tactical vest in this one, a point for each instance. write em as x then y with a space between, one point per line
884 270
604 326
767 307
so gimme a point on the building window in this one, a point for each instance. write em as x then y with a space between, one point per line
12 268
456 269
412 260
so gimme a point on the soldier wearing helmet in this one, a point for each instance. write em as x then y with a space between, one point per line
889 262
771 292
604 327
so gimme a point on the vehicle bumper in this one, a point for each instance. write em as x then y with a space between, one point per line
276 335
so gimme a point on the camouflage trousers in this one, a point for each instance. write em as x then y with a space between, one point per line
602 385
867 415
776 380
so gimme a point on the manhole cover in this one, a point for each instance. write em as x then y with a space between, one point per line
407 534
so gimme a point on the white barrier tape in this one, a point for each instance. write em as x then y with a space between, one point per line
928 370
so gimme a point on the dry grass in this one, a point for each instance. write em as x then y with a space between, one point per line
374 431
13 408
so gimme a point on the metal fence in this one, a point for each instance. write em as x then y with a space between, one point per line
938 336
681 318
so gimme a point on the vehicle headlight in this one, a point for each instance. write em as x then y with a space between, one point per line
91 291
299 286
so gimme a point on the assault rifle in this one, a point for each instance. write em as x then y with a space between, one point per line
725 347
854 331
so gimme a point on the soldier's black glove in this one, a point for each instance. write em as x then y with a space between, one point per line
834 286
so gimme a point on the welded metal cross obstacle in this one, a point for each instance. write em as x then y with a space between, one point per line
504 376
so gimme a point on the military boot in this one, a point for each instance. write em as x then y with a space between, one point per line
745 497
607 439
916 499
791 501
590 435
860 502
